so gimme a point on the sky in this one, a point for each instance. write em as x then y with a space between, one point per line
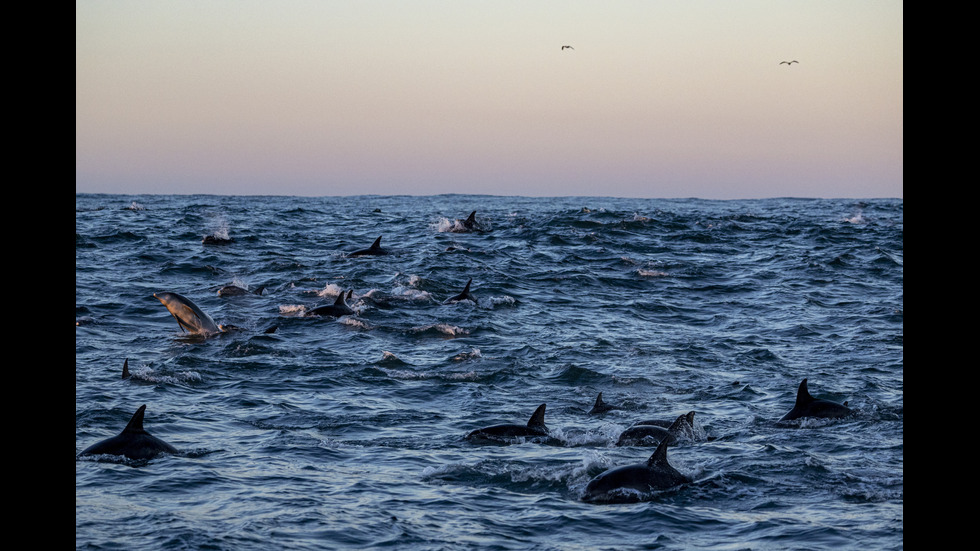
657 99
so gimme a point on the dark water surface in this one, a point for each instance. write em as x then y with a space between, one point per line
348 433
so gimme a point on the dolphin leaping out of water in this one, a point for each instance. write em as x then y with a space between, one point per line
503 433
133 442
190 318
631 482
808 406
374 250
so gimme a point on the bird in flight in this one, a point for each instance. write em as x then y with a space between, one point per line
569 47
788 62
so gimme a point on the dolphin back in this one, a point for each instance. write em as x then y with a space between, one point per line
133 442
632 483
808 406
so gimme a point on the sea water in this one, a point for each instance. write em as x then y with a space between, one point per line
299 432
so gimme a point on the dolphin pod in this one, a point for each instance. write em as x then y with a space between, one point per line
504 433
632 482
808 406
625 483
133 442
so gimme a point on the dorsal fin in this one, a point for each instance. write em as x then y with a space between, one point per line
466 290
598 402
340 299
350 293
471 219
659 457
125 373
803 395
377 243
136 423
690 417
537 419
675 427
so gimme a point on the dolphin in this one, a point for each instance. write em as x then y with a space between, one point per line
465 295
373 250
337 309
235 290
808 406
190 318
648 435
470 221
601 407
133 442
666 423
535 427
125 373
629 483
216 240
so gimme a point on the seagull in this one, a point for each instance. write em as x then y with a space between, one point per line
788 62
569 47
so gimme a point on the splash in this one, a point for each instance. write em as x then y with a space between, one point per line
442 328
330 290
219 228
292 309
463 356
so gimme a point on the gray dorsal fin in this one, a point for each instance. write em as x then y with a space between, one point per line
340 299
659 457
125 373
803 395
690 417
136 423
350 293
537 419
675 427
377 243
598 402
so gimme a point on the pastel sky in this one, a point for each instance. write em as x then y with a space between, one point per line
657 98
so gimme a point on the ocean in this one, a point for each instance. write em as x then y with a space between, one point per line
306 432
